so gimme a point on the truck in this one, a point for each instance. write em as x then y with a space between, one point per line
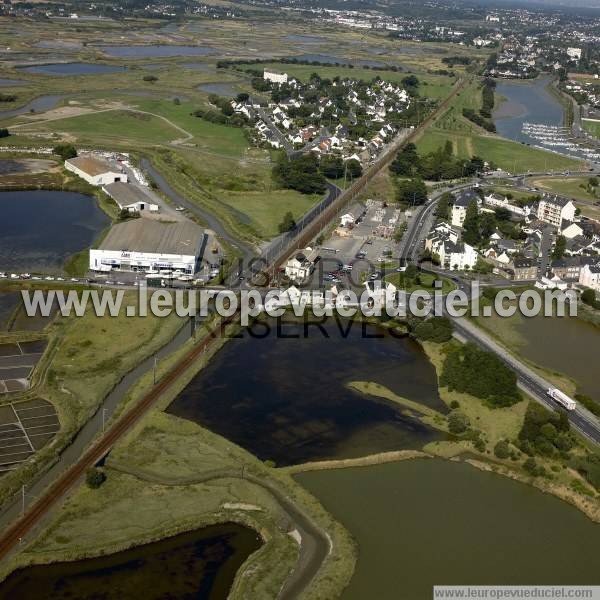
562 398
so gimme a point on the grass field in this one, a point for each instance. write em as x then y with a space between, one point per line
592 126
505 154
427 280
571 186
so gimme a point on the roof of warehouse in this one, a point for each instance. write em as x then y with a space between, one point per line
128 193
91 165
157 237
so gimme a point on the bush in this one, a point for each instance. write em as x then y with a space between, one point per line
482 374
94 478
458 422
4 132
65 151
436 329
545 432
501 449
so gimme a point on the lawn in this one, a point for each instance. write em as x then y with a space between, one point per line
592 126
114 125
570 186
426 282
267 209
505 154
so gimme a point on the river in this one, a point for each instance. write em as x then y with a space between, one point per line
531 114
424 522
40 229
197 564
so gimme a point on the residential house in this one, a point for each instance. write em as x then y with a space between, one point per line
555 210
301 265
590 277
459 208
522 269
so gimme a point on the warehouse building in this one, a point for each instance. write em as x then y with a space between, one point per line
96 171
132 198
147 244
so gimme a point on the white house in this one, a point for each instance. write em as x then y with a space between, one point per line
555 210
347 219
275 76
459 208
574 53
590 277
95 171
572 230
301 265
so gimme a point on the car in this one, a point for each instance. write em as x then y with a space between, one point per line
74 279
49 278
60 279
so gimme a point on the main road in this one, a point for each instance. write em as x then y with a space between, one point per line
532 383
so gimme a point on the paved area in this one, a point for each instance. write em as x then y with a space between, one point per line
25 427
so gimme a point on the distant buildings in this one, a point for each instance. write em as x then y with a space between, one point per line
574 53
275 76
556 210
94 170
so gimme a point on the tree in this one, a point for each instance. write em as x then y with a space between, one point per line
332 166
242 97
288 223
65 151
501 449
588 296
94 478
442 210
353 168
150 78
559 247
471 233
458 422
4 132
413 192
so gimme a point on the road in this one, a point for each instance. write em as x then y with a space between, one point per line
535 385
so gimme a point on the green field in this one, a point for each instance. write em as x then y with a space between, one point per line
592 126
505 154
571 186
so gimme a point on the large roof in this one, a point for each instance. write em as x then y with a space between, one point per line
91 165
128 193
156 237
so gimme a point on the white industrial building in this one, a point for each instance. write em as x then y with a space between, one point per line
148 244
130 197
94 170
275 76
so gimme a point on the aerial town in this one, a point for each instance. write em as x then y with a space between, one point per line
299 299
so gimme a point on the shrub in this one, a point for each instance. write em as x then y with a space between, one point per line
501 449
94 478
458 422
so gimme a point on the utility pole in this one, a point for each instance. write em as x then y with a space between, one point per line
103 419
154 369
22 500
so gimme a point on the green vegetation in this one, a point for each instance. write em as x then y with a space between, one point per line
301 174
4 132
65 151
412 279
589 403
435 329
434 166
544 432
411 192
288 223
94 478
482 374
592 126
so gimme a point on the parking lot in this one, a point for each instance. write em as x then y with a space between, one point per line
25 427
17 361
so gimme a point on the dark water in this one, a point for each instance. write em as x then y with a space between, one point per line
39 230
528 101
156 50
200 564
37 105
8 305
419 523
4 81
285 399
74 68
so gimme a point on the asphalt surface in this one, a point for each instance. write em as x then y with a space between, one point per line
584 421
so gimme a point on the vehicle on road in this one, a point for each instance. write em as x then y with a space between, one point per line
562 398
